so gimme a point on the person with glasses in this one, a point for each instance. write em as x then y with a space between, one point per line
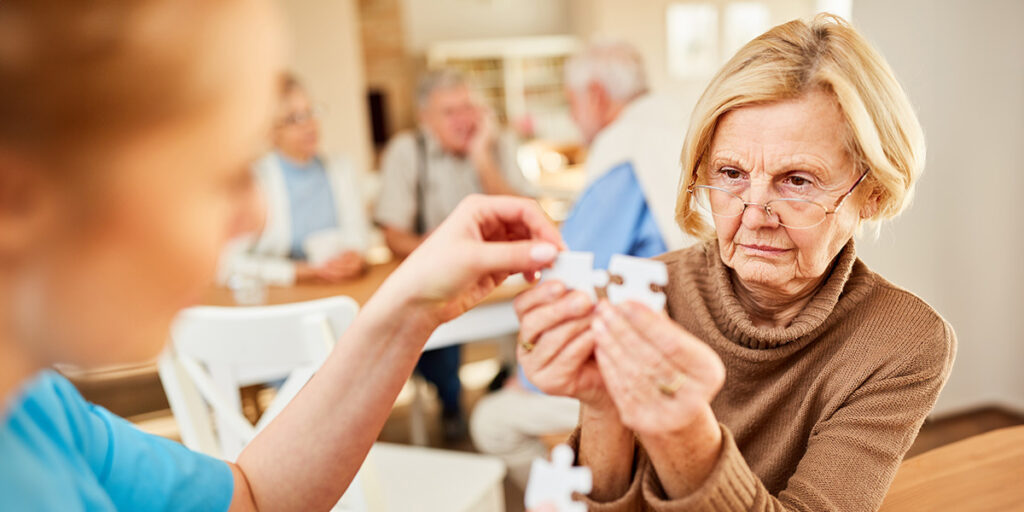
316 228
785 375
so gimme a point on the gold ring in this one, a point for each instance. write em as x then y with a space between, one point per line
670 389
527 346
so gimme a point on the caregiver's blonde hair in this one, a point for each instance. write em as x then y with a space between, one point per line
884 135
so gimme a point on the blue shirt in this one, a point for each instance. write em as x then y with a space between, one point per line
611 217
59 452
310 201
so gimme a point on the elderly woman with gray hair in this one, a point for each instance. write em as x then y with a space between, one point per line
786 374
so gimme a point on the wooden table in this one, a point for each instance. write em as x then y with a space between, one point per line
981 473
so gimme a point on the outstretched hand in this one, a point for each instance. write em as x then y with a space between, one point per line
485 240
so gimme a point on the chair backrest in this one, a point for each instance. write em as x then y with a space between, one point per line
220 349
217 350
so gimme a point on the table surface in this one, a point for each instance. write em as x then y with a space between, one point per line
984 472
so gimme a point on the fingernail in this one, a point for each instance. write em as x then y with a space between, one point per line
599 326
543 252
605 309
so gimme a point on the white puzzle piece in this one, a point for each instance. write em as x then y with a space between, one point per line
554 482
637 274
576 271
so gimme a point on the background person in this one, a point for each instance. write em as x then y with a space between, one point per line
456 151
313 204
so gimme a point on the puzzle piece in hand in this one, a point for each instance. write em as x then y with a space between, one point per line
576 271
637 274
554 482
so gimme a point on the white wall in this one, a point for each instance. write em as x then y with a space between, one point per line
326 53
961 245
430 21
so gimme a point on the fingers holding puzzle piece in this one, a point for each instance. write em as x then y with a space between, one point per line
637 277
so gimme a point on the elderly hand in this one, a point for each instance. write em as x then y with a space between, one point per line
486 239
481 145
344 266
662 380
660 376
556 346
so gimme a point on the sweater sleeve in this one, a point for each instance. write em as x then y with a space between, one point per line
630 500
851 457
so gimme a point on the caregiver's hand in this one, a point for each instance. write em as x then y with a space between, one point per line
486 239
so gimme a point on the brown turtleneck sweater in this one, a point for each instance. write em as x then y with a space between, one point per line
815 416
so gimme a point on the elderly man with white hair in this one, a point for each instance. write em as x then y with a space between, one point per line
634 139
457 151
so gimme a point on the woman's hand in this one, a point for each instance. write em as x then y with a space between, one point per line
660 376
345 266
486 239
342 267
556 347
662 380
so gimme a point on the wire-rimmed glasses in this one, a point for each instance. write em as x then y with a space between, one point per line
790 212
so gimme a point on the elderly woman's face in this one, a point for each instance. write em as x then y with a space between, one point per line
296 128
792 148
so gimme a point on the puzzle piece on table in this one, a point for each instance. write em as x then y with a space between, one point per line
638 275
576 271
554 482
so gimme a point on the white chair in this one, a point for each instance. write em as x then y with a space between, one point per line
217 350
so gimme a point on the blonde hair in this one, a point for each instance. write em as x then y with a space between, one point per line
798 57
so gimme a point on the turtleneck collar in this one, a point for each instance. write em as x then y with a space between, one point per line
847 282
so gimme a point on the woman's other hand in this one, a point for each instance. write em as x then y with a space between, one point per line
660 376
662 380
343 267
556 347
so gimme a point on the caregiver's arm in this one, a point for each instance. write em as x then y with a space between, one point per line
305 459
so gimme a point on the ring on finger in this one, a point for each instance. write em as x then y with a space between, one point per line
670 388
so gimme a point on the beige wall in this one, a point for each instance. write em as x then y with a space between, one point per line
961 246
430 21
326 53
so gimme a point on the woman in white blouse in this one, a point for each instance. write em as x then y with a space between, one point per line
316 228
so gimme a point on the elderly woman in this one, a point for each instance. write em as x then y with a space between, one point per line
787 375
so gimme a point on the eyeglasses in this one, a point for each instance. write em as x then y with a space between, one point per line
297 118
789 212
